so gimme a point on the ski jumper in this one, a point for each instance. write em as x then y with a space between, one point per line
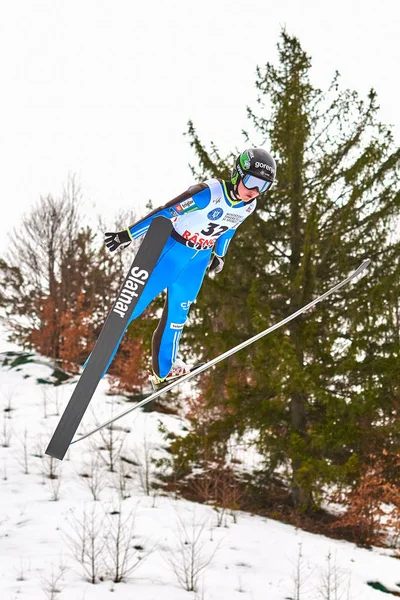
204 220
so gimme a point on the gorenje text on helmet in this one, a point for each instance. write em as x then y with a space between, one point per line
260 165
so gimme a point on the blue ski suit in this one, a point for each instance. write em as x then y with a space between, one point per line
204 219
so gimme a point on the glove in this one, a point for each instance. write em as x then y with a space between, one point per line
121 239
216 264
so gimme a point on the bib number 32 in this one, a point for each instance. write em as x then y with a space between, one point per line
214 230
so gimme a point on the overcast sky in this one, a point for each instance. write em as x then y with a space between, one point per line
104 88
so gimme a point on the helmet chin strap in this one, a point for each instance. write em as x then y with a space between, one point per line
232 190
235 191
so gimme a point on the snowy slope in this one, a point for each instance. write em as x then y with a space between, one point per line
255 558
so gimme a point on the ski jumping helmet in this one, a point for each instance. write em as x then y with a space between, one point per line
256 168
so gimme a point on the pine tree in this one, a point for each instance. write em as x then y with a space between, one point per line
324 392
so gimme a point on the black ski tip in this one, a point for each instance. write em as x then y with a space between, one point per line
55 452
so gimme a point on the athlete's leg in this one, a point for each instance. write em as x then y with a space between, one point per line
166 270
180 295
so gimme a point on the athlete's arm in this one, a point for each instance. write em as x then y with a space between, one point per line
195 197
221 246
222 243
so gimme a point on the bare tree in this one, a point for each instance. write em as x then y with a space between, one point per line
23 457
50 467
190 558
7 431
51 472
8 396
39 445
228 495
219 486
143 459
113 440
300 576
37 250
86 542
55 486
24 566
93 475
44 398
57 400
334 581
58 278
52 581
124 477
122 555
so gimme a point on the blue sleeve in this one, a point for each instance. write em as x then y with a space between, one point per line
223 241
202 199
173 210
140 228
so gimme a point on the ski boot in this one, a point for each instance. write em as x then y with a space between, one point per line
179 369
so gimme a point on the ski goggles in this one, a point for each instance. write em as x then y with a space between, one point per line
251 182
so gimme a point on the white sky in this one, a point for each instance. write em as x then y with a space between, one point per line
104 88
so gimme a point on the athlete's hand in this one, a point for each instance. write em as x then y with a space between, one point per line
216 264
121 239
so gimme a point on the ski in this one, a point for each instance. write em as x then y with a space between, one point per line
216 360
113 328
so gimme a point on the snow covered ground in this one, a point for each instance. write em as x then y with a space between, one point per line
46 522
